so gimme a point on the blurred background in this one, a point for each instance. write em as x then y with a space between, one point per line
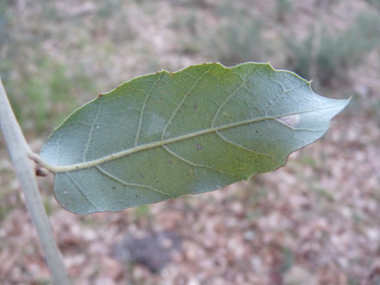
315 221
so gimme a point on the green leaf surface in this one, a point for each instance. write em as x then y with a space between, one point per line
166 134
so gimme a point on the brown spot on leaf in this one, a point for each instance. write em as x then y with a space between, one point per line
199 146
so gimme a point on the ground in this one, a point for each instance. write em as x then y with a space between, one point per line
314 221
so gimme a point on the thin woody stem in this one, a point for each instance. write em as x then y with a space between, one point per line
19 152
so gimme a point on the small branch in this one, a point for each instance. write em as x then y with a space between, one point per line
19 151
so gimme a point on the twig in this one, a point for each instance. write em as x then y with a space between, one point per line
19 149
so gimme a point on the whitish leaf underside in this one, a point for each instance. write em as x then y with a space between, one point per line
164 135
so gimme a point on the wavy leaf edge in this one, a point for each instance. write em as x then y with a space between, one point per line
289 120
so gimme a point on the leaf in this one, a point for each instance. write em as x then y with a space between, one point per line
164 135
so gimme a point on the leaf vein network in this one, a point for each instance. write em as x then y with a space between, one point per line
195 165
91 133
143 110
244 81
182 102
80 189
126 184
